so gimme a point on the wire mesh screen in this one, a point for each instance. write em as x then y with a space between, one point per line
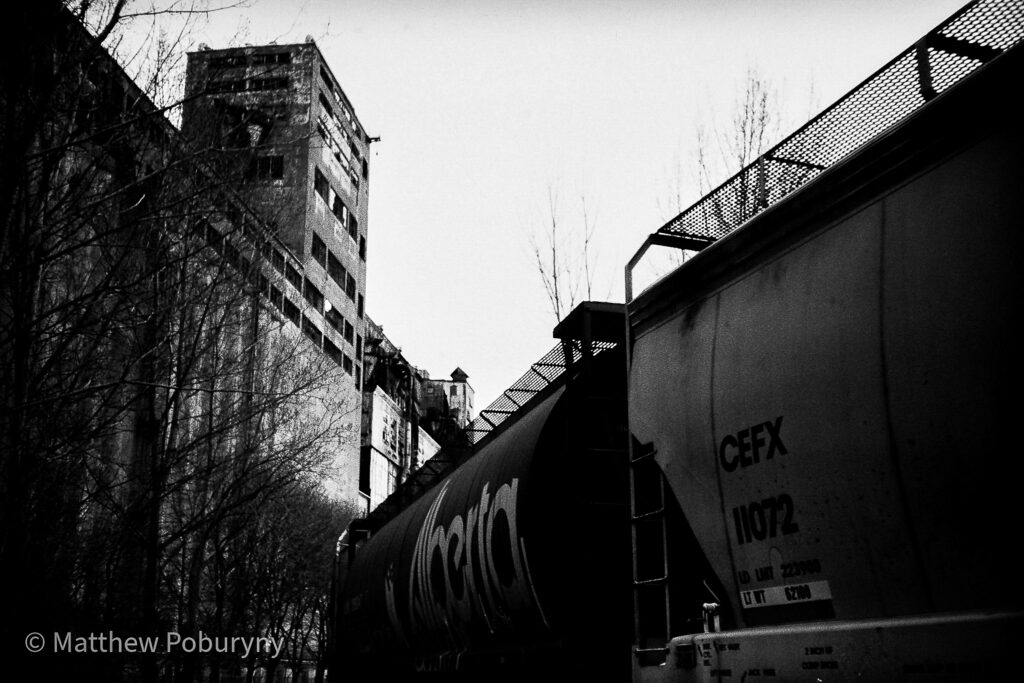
541 374
974 35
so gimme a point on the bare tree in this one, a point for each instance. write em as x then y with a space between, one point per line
564 257
156 399
722 147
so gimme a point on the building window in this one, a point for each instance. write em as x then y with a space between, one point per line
349 330
227 61
336 270
320 185
278 260
268 83
358 376
266 168
362 247
364 469
225 86
335 320
350 287
347 363
392 478
327 78
366 170
272 58
326 105
319 251
359 347
353 227
291 311
311 331
332 351
293 277
276 297
345 111
340 210
359 308
312 295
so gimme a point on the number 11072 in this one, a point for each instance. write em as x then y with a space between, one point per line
768 518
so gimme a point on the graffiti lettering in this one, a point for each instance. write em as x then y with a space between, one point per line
473 568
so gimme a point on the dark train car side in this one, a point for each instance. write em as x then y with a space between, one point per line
505 565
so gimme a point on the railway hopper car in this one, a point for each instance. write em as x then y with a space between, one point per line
831 393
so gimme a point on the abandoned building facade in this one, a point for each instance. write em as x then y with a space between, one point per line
294 144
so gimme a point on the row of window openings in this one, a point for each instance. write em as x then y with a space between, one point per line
231 255
227 249
275 83
329 110
341 212
332 315
272 168
249 231
266 168
309 291
313 333
339 156
335 92
333 266
247 84
327 260
107 101
235 60
313 295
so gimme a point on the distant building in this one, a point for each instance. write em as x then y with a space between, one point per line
449 399
286 137
389 436
407 417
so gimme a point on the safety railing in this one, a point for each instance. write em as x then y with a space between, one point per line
975 35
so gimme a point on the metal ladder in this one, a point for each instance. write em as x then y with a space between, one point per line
651 612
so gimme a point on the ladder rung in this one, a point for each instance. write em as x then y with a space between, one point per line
650 582
647 515
606 451
642 457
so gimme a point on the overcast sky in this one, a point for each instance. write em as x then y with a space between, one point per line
483 106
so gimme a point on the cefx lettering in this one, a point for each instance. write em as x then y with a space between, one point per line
748 446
